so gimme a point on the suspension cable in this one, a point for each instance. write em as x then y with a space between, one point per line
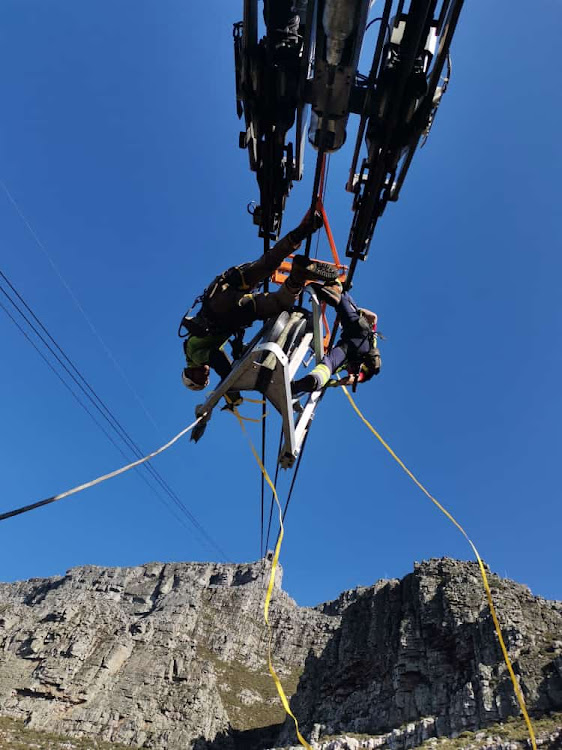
76 302
86 389
293 481
266 245
275 485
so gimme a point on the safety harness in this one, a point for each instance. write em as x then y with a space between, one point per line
366 365
203 323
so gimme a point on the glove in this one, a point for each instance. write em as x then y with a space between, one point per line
372 364
308 226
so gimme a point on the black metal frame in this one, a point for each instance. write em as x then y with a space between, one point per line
383 100
384 168
276 159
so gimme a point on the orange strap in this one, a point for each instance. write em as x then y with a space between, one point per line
320 207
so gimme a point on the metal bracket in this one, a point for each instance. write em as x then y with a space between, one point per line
269 367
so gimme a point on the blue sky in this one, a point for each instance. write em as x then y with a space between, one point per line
118 142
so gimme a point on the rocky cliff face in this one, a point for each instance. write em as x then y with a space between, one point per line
174 655
423 652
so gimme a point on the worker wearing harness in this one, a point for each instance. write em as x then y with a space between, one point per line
230 304
356 350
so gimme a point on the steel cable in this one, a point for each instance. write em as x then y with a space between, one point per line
98 404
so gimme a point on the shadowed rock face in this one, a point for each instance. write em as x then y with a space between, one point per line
423 651
174 655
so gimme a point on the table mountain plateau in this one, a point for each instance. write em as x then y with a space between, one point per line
174 656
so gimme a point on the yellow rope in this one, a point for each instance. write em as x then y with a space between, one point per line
251 419
270 585
516 687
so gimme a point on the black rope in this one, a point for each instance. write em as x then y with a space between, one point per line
51 499
294 479
263 412
26 508
59 376
104 411
272 494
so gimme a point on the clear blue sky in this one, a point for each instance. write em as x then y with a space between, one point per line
118 141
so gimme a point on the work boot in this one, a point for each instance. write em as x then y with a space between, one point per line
330 292
308 269
308 384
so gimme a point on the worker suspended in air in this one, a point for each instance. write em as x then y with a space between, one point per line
356 350
230 303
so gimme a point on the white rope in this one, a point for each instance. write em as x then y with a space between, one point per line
93 482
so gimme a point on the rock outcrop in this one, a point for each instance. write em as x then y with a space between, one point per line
423 651
163 654
174 656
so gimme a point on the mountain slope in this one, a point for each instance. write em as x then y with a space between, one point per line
174 655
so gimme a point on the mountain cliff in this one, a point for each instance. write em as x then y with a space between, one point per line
174 656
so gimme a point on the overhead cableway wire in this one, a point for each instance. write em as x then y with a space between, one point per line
266 246
88 412
74 298
275 485
91 395
62 380
292 487
102 409
151 471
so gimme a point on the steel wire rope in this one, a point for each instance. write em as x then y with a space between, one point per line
81 403
320 162
275 485
263 441
95 400
322 187
263 409
62 380
324 183
153 473
94 396
270 587
76 301
291 488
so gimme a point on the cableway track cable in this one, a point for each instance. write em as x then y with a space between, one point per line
76 302
102 409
